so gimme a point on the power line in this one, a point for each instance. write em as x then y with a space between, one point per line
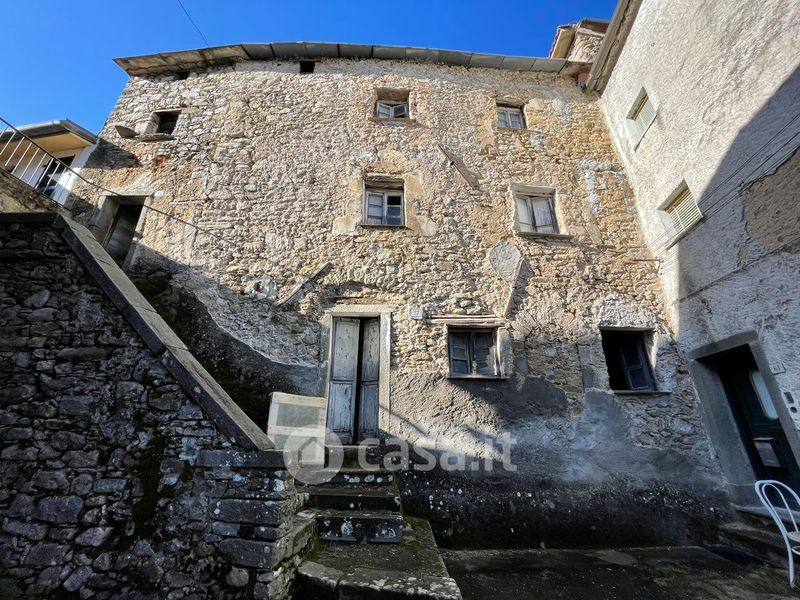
726 197
188 16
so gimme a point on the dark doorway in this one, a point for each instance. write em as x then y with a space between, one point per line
354 382
756 416
122 231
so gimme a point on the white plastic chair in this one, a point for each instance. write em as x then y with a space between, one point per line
789 537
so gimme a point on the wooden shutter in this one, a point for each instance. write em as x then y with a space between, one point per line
300 422
370 376
483 353
634 364
684 211
459 353
523 214
543 214
344 370
647 113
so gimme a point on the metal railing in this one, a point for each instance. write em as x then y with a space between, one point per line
26 160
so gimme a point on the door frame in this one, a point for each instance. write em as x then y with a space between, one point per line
719 416
361 311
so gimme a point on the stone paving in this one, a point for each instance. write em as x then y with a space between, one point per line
683 573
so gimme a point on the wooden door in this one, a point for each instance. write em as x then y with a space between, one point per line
370 376
344 376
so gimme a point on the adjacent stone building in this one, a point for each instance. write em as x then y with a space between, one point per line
701 100
442 244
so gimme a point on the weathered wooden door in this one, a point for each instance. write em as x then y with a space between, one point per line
344 374
370 375
355 373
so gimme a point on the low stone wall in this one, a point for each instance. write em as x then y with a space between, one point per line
114 481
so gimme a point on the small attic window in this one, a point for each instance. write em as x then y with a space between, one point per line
307 66
391 104
181 75
166 120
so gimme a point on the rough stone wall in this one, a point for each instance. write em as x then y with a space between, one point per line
16 196
726 84
114 483
262 181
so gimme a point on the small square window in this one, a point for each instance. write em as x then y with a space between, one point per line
536 213
165 121
628 366
307 66
473 352
641 116
681 212
383 206
510 117
391 104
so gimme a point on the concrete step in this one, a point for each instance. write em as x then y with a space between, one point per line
764 542
351 499
348 526
412 569
369 478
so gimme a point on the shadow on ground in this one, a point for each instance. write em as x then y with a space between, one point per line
684 573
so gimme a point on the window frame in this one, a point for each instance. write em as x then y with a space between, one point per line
507 111
494 354
385 192
638 127
679 224
392 106
637 336
526 197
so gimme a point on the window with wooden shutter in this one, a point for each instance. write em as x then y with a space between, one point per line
626 358
472 353
682 211
536 213
394 110
383 207
641 116
510 117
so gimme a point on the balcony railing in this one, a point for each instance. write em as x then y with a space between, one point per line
30 163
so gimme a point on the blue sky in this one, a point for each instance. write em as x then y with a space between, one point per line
59 54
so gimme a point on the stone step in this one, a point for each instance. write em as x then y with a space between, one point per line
352 499
412 569
347 526
763 543
370 478
353 456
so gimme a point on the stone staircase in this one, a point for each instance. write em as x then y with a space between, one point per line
356 504
366 547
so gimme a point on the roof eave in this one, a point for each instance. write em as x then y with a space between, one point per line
166 62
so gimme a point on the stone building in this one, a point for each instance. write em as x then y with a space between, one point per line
701 101
458 224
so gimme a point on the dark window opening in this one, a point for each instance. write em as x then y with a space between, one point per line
166 121
122 231
626 359
307 66
181 75
472 352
